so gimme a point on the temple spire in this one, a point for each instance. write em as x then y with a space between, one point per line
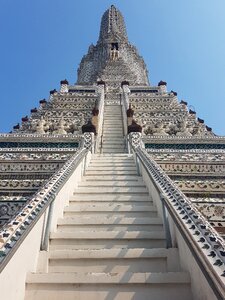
113 59
112 25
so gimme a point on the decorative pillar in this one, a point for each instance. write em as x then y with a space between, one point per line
52 92
162 87
135 139
64 86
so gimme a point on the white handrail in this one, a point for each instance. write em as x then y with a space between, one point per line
125 106
100 107
13 233
201 238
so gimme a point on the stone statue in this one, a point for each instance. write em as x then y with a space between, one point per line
114 53
61 128
183 130
159 129
42 126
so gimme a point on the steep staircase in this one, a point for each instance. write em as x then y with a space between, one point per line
110 244
113 136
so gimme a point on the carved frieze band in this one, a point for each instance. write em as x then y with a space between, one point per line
193 168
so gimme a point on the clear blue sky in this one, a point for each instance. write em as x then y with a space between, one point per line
43 41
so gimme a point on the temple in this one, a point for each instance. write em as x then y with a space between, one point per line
112 188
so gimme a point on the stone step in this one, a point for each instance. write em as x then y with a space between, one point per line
108 235
132 178
109 115
113 118
113 167
114 138
112 134
109 197
114 164
112 190
112 145
117 149
111 286
109 131
105 151
91 202
109 207
103 214
114 172
114 123
112 260
110 227
111 158
113 223
113 142
113 108
109 221
112 114
106 240
87 183
110 265
116 109
92 173
116 157
112 127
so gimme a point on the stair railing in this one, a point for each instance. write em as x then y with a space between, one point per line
15 232
100 106
205 244
125 106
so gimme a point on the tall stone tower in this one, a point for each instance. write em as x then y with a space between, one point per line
112 188
113 59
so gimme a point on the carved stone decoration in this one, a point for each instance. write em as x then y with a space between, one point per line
135 139
8 209
42 126
183 130
159 129
61 127
203 186
212 212
88 140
